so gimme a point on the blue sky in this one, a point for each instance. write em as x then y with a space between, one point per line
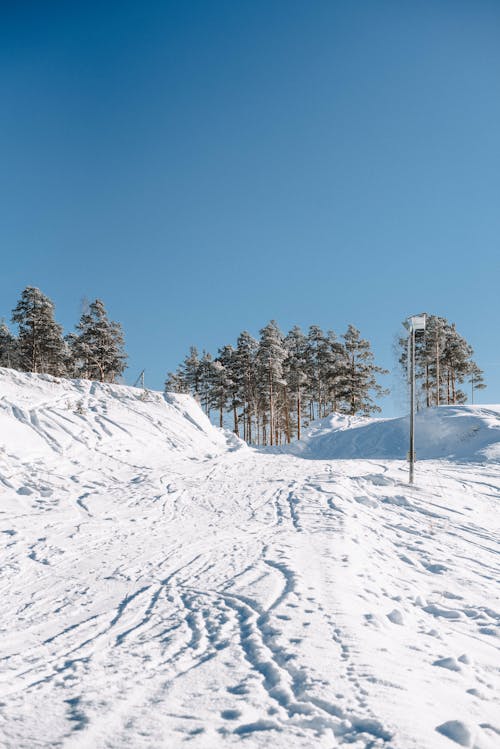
206 166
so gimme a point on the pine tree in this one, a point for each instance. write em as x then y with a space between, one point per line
219 389
227 358
431 346
41 346
98 348
175 383
443 362
190 369
295 369
8 347
317 354
245 375
205 381
457 357
476 379
334 365
357 381
270 357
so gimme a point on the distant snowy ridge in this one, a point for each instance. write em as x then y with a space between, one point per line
463 433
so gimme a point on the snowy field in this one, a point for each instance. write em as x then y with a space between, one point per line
163 585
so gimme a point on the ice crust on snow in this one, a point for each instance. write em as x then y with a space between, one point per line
163 584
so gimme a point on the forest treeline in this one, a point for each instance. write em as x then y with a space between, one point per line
94 351
271 387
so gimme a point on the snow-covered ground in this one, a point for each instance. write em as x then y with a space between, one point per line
163 585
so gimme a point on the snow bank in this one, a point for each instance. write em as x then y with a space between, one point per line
42 416
463 433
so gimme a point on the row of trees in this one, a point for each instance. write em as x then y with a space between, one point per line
443 363
95 351
274 385
270 387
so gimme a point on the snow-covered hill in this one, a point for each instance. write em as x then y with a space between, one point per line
164 585
460 433
44 417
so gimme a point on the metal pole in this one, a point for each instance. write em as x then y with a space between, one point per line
412 407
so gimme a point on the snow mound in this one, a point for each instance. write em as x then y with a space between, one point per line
462 433
77 420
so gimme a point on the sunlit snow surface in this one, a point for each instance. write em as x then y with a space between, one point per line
163 585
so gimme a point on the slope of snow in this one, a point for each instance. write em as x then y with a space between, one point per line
161 588
75 419
462 433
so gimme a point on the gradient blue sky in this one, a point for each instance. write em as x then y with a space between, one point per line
206 166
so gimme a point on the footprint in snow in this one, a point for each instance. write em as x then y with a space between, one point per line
457 731
378 479
450 663
396 617
436 569
367 501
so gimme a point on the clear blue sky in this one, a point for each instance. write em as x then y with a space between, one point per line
206 166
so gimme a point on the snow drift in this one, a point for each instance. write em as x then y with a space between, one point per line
43 416
461 433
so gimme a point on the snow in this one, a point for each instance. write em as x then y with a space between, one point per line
465 433
163 584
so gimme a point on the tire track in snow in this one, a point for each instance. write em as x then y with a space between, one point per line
285 684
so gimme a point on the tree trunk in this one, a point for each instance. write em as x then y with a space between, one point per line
271 406
298 414
235 416
438 374
287 417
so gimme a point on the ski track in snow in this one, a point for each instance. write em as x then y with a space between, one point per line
163 586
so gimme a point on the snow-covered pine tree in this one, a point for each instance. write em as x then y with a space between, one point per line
41 346
295 371
475 377
245 376
456 361
219 389
431 349
175 383
190 371
8 347
98 348
333 367
443 361
358 381
317 353
205 381
227 358
271 355
325 356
